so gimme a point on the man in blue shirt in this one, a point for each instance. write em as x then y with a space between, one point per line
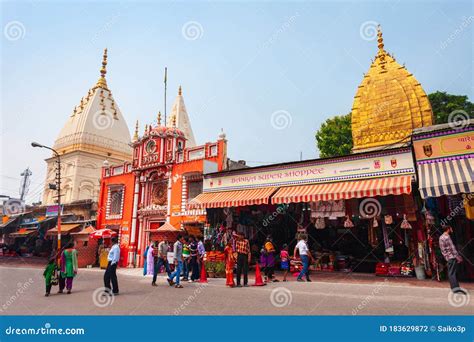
111 271
178 262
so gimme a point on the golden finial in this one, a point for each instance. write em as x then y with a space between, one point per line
159 119
174 120
135 136
180 91
379 37
101 83
146 129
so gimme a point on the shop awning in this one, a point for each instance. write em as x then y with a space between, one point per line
344 190
449 177
236 198
65 228
23 233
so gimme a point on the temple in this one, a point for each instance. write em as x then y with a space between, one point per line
95 132
147 199
389 104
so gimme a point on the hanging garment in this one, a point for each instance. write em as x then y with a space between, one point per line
386 239
405 224
320 223
348 223
372 233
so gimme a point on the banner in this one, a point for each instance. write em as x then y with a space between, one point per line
380 164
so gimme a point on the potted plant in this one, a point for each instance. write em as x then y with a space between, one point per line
210 268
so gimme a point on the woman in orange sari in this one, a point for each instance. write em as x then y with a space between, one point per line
229 264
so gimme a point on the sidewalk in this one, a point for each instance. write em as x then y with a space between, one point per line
327 277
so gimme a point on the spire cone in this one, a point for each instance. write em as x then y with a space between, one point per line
102 83
135 135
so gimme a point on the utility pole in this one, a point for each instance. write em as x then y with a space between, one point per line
57 186
25 183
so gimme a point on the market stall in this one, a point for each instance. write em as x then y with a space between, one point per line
445 164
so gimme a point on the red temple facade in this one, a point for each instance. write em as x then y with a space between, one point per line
147 199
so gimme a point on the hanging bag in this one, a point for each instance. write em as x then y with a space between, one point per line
55 277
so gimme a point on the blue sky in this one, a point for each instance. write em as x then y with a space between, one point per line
302 60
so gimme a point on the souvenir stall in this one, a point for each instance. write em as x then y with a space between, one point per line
357 211
445 164
103 237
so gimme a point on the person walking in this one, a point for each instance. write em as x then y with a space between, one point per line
305 255
110 274
48 274
452 257
161 260
61 279
193 261
267 259
285 261
148 269
201 254
242 247
68 266
229 264
178 262
186 257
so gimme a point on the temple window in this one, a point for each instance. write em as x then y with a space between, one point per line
194 189
115 202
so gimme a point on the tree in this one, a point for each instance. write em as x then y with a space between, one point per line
443 104
334 138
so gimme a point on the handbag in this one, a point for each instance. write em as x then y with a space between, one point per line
405 224
320 223
54 277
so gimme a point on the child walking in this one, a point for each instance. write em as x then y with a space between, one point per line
48 274
285 260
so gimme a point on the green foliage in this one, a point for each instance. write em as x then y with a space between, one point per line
334 138
443 104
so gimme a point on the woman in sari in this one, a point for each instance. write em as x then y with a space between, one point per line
150 260
229 264
268 259
68 266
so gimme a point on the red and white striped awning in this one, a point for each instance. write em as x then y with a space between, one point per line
236 198
344 190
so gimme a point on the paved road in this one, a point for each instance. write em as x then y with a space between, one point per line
22 292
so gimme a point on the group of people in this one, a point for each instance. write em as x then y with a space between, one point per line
237 251
62 268
188 256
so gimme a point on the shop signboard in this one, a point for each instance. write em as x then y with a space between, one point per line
365 166
445 144
52 210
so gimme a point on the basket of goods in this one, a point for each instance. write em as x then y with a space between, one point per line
381 269
296 265
394 270
407 269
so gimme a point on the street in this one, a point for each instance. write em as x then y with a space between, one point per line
22 293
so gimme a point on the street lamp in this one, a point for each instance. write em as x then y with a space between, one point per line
58 187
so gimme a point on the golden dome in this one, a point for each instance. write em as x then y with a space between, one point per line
388 105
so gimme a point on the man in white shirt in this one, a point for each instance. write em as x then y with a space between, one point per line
111 271
305 255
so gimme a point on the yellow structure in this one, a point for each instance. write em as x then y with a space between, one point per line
388 105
